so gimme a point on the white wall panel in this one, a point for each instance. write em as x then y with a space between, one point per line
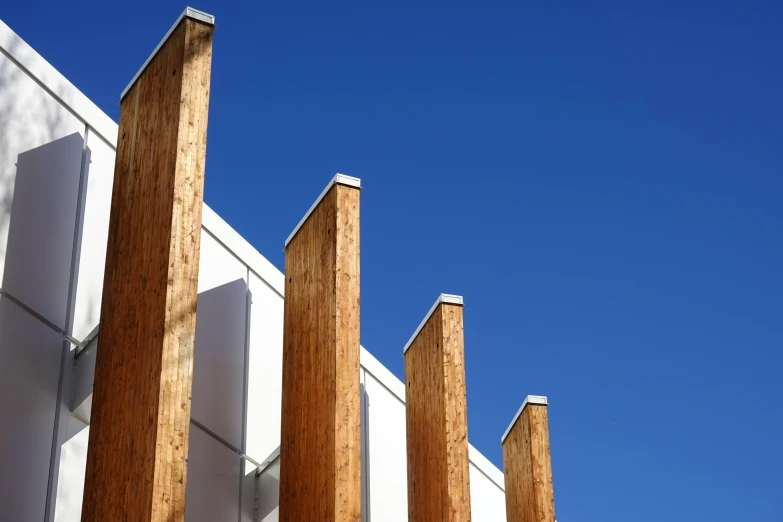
41 226
30 118
212 492
217 266
386 468
265 370
82 379
487 500
30 355
269 493
220 345
94 235
70 483
248 504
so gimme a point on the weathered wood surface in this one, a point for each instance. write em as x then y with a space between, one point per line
320 457
527 468
137 455
436 420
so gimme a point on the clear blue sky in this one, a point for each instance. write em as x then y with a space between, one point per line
603 183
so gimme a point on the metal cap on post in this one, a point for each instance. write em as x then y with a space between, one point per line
530 399
443 298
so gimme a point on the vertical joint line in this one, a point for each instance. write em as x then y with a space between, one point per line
365 403
257 480
54 464
246 373
245 386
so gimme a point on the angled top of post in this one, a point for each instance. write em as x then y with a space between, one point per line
530 399
443 298
338 179
189 12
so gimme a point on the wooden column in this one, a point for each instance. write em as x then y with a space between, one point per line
138 447
436 417
527 465
320 457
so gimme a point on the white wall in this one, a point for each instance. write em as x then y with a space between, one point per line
56 168
385 453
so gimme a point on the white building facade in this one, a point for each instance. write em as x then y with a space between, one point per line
57 153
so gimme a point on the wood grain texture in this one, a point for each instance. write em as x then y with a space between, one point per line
436 420
527 468
137 454
320 457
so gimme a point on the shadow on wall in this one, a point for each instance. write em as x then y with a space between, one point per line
28 117
42 218
6 173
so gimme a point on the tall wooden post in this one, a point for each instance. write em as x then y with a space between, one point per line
436 417
137 455
527 465
320 457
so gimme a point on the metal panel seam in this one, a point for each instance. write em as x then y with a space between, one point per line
245 385
36 315
223 441
367 512
239 258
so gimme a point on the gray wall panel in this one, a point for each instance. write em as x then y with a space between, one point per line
213 480
30 356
